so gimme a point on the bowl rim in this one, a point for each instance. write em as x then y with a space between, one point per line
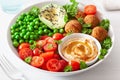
49 72
80 35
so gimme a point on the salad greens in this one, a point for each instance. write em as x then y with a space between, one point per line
105 23
68 68
83 65
106 44
28 59
71 9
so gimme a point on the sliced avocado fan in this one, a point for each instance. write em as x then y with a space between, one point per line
53 16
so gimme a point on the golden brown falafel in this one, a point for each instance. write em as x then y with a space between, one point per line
99 33
80 14
73 26
91 19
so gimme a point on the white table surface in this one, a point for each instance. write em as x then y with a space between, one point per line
109 69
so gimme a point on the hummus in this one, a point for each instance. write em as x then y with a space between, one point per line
80 49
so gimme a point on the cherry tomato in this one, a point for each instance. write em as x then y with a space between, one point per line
57 36
47 55
37 52
53 65
56 56
63 64
75 65
37 61
50 39
40 43
23 45
44 66
43 37
90 10
50 47
25 52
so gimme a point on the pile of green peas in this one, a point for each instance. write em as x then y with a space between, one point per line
29 28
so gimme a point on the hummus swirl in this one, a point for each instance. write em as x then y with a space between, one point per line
80 49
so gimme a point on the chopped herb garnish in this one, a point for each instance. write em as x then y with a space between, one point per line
107 43
103 52
50 46
105 23
28 59
72 8
86 25
66 18
86 31
33 46
81 20
68 68
58 41
83 65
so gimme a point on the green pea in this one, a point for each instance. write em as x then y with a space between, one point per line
44 26
37 22
32 24
12 37
55 31
26 19
30 28
40 32
26 36
35 37
22 34
21 41
50 34
15 44
31 36
28 33
28 23
45 31
17 37
17 29
12 31
16 33
31 41
36 27
20 22
40 28
61 30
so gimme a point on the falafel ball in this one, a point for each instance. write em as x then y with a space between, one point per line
91 19
80 14
73 26
99 33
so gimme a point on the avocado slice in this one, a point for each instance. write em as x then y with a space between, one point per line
53 16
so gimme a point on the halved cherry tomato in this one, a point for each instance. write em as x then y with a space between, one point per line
44 66
37 52
63 64
50 39
40 43
90 9
47 55
53 65
57 36
37 61
25 52
75 65
23 45
56 56
43 37
50 47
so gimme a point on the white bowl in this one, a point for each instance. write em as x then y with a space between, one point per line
39 71
73 36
